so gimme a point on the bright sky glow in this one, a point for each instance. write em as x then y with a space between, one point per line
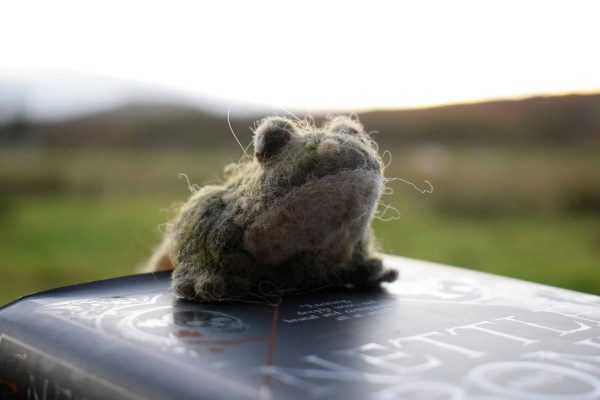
316 54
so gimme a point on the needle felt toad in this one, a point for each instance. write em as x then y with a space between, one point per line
297 214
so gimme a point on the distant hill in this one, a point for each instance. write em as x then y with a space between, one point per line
557 120
567 119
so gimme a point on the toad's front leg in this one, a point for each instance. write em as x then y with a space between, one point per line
370 272
231 279
366 269
206 250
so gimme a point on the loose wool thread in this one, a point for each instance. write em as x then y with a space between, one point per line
297 215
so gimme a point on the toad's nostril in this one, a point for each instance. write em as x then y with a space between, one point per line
328 147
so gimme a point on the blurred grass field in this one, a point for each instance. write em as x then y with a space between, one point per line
70 216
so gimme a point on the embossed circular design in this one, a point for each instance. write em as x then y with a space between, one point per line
533 381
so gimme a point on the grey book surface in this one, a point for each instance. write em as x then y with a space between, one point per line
439 332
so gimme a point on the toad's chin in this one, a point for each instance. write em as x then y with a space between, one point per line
329 214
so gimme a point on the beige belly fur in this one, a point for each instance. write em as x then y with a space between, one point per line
330 214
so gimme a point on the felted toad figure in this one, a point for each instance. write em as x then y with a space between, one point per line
298 215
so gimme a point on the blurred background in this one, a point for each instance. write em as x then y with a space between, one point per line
497 104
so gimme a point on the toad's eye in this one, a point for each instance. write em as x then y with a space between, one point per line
345 125
271 136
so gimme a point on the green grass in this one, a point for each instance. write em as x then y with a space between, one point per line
47 242
69 217
556 250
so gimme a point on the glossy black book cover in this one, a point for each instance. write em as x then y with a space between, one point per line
439 332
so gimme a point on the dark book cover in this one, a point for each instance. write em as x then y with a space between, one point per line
439 332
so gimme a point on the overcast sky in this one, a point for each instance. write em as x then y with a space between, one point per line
315 54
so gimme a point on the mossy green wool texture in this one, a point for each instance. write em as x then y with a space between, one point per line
297 215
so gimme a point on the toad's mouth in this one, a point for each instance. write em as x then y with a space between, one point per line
330 214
